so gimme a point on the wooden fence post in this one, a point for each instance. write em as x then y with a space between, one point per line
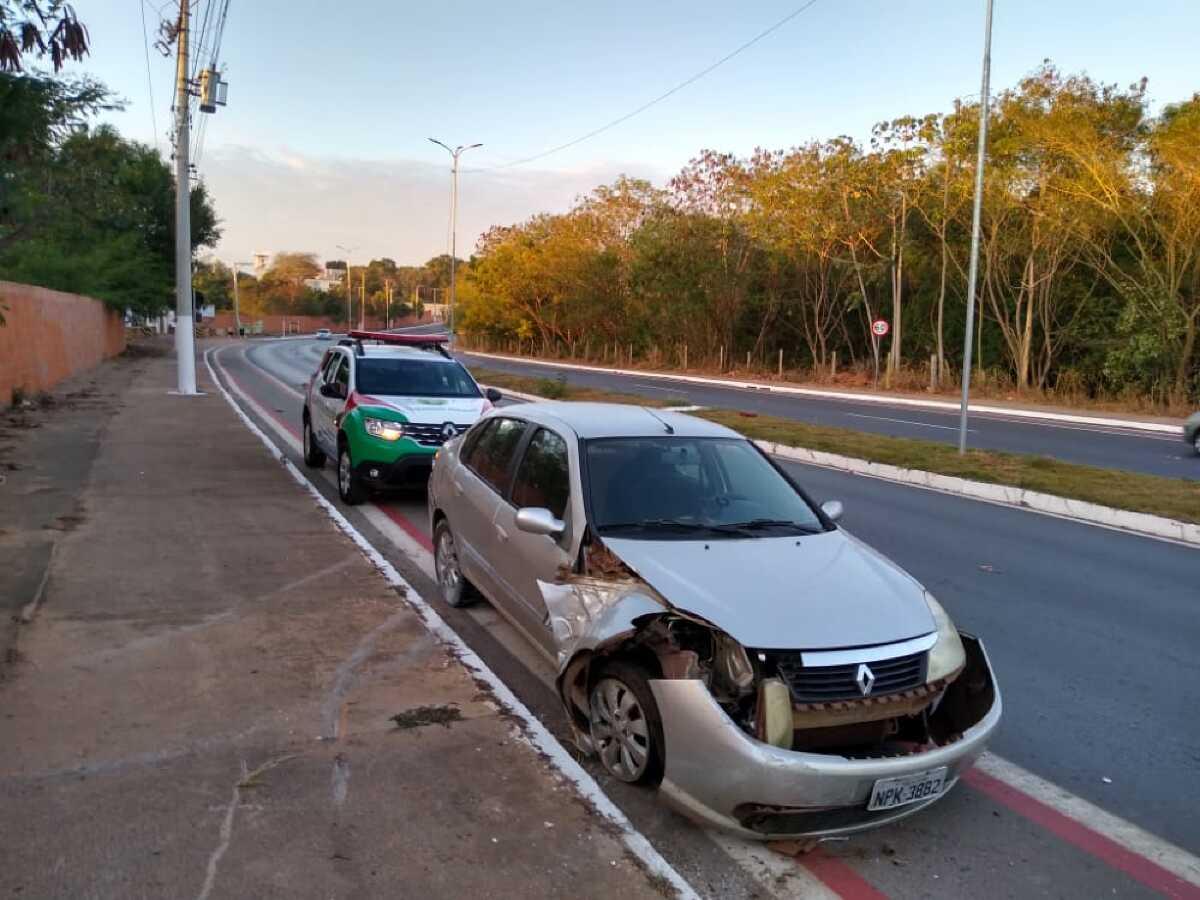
833 365
780 362
685 356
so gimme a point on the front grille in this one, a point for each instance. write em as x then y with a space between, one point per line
825 684
430 435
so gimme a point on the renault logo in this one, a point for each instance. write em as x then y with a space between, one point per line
865 679
448 431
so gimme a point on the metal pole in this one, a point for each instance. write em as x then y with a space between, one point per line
237 311
185 329
346 251
362 302
453 234
976 215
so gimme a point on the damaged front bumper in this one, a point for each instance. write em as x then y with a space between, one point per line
717 773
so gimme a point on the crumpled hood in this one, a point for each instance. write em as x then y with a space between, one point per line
812 592
460 410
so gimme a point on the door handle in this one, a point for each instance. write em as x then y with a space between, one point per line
458 488
501 533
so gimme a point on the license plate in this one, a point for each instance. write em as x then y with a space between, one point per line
889 793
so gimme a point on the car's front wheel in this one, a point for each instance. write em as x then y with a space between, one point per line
350 486
625 726
455 588
314 456
1196 442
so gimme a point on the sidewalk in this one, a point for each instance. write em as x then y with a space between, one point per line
219 696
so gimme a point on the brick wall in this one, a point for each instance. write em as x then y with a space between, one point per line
50 336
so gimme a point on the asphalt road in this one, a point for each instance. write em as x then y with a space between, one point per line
1113 448
1092 634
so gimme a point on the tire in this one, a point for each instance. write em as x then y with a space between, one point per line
350 486
314 456
626 729
1196 442
454 587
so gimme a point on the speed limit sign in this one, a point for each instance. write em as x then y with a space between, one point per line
880 327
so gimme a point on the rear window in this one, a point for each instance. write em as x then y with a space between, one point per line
414 378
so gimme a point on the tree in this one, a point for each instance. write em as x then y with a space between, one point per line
286 276
42 28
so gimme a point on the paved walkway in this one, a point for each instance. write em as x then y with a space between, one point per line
218 696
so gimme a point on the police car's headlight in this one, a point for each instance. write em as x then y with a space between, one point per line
947 656
381 428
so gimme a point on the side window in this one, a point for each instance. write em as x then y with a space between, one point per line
471 441
342 376
331 366
492 454
543 478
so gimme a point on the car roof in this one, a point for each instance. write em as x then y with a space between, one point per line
377 351
610 420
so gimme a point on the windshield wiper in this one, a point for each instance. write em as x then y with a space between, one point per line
663 524
758 524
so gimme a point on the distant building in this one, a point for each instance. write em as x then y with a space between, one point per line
261 263
326 282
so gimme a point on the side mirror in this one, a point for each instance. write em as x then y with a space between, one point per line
833 509
493 395
536 520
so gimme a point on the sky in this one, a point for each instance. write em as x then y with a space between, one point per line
324 141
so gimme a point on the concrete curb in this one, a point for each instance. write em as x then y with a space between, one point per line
774 388
1007 495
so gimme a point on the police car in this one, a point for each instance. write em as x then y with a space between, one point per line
381 405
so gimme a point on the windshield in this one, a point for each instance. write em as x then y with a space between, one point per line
679 487
414 378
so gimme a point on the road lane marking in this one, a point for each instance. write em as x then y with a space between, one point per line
1155 862
997 411
533 731
1118 843
908 422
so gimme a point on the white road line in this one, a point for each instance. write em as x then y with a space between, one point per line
533 730
997 411
1134 839
907 422
779 875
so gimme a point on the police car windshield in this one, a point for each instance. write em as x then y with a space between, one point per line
414 378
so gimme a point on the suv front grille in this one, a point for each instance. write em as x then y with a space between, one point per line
825 684
430 435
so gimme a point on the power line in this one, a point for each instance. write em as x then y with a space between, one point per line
661 97
149 77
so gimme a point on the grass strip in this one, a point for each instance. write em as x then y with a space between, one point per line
1174 498
558 389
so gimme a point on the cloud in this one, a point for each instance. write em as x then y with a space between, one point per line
273 200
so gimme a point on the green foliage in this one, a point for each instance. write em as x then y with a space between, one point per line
85 210
1090 258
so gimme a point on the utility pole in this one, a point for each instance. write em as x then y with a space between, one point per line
362 302
349 290
185 326
455 153
237 309
976 216
387 309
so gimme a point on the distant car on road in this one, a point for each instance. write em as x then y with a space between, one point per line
382 405
716 633
1191 431
324 334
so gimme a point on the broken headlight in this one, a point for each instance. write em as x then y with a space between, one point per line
947 656
731 663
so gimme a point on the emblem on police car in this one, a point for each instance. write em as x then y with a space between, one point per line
865 679
448 431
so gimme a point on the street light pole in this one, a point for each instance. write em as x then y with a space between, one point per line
349 290
185 325
976 216
455 153
237 309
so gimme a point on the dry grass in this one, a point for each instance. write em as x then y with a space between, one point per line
1170 497
559 389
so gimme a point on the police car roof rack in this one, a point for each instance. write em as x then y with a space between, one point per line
434 342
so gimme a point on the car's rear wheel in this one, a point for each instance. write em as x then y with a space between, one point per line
314 456
350 486
625 726
1196 442
456 590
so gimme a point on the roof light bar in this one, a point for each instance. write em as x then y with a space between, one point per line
411 340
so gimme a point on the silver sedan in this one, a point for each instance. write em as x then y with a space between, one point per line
716 634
